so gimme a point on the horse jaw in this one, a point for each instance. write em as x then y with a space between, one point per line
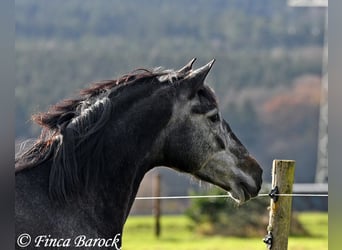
221 170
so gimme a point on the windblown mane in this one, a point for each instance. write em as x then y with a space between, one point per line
72 129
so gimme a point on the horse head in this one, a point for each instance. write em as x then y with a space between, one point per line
200 142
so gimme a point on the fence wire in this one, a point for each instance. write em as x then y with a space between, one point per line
222 196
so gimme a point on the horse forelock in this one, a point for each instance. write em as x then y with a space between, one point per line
72 131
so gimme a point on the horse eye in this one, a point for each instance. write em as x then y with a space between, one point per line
214 118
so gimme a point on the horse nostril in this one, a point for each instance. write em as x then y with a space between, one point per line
256 171
220 142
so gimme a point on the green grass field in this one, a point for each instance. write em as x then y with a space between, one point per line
138 235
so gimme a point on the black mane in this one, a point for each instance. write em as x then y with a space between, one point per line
72 134
62 113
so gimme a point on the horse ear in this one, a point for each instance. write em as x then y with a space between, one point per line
196 78
187 67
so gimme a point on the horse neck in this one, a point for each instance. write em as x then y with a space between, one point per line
115 195
132 147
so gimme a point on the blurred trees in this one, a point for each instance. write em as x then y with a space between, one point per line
231 24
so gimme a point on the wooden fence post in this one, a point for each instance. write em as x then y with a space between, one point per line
280 208
156 207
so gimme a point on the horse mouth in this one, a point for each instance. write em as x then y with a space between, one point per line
222 171
240 194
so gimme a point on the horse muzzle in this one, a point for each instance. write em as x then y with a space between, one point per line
241 178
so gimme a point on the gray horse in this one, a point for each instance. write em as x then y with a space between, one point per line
76 184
